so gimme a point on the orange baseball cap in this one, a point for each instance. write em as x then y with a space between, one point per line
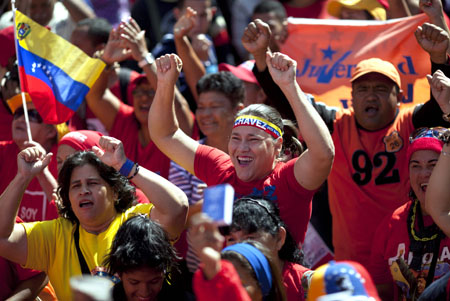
378 66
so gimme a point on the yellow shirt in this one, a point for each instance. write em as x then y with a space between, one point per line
51 248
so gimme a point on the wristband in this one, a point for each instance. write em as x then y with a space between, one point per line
147 60
136 170
126 168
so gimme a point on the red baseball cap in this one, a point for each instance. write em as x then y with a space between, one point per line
243 71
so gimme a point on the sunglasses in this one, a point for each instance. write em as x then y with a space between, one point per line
440 133
33 115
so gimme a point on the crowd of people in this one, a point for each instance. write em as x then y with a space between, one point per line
196 93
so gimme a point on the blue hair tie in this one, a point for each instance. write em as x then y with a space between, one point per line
259 263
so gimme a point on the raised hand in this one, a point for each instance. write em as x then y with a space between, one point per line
115 49
201 44
433 40
282 68
31 161
256 37
432 8
207 243
184 24
440 87
168 68
111 152
133 39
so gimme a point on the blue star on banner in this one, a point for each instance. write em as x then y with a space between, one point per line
328 53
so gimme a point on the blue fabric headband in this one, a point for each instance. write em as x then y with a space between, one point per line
259 263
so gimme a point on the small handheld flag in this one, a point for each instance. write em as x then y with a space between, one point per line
55 73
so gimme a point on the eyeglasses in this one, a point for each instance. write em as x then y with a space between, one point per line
439 133
149 93
33 115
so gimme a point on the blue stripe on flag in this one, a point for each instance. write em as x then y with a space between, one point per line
66 90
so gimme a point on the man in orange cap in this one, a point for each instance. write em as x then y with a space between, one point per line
369 178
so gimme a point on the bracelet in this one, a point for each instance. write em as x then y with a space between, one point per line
147 60
446 117
136 170
126 168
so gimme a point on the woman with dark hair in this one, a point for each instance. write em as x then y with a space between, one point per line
95 199
143 257
243 271
409 250
259 220
252 165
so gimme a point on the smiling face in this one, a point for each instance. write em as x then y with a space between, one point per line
215 114
142 284
253 152
375 101
91 199
420 167
143 96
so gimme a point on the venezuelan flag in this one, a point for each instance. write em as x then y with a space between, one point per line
55 73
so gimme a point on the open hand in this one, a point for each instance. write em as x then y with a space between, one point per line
133 39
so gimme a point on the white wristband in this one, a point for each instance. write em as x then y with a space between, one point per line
147 60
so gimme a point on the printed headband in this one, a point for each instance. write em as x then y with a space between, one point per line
260 123
258 262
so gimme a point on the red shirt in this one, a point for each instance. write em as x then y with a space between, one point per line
292 280
368 181
392 241
126 128
34 205
213 167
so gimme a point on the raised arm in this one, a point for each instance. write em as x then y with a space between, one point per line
193 66
437 201
78 10
134 40
256 40
433 9
314 165
171 205
13 239
435 41
162 124
100 99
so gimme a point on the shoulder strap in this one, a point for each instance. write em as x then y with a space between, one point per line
83 264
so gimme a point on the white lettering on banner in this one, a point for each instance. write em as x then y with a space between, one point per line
28 213
38 202
445 254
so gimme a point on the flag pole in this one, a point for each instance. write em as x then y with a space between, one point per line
24 102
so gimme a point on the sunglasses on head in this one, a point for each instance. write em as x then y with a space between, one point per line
33 115
440 133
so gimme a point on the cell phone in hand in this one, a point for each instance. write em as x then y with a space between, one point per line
218 203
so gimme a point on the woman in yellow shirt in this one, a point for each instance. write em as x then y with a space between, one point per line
95 201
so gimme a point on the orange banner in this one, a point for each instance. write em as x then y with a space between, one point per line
327 51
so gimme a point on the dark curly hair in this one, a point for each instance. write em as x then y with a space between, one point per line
140 242
256 214
223 82
126 193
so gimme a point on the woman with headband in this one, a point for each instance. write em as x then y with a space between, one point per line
409 250
252 166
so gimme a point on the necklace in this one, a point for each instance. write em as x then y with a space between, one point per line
413 222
